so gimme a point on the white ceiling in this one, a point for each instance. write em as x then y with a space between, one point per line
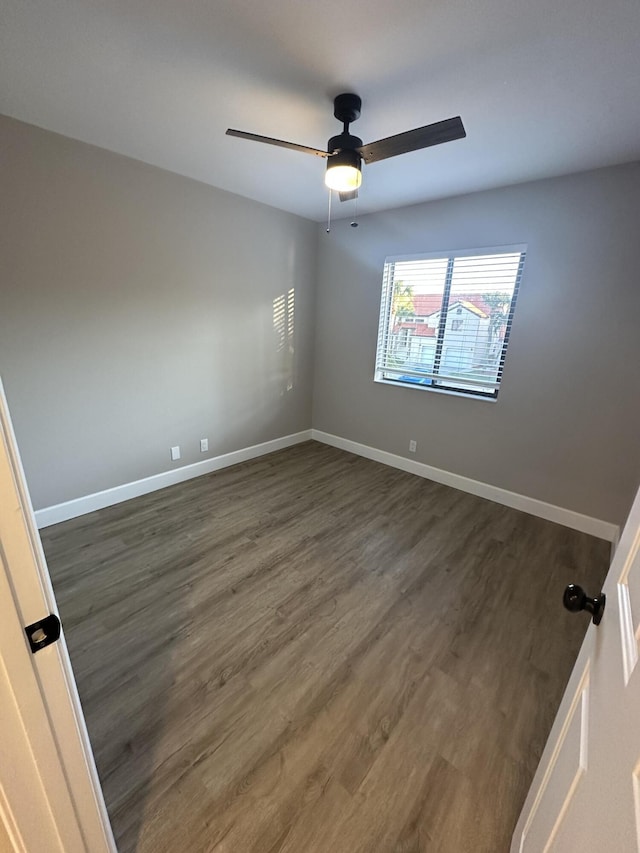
544 87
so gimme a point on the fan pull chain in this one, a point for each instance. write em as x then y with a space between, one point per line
329 213
354 223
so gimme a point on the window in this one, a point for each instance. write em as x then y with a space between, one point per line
460 308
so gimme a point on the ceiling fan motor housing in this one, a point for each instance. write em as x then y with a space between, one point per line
344 142
344 145
344 169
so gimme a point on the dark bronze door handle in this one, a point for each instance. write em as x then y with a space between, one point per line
576 599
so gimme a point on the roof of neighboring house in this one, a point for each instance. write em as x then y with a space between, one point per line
426 305
418 330
430 303
470 306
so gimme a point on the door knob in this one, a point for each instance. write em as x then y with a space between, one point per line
576 599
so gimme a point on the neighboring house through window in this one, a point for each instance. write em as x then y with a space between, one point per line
445 319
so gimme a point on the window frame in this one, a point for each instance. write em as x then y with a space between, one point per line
385 318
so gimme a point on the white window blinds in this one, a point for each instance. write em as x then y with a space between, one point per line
445 320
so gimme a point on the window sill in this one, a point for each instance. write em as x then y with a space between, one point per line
430 389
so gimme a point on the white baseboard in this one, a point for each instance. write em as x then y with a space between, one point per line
81 506
567 517
541 509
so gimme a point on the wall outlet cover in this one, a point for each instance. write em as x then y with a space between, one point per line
204 444
175 453
413 446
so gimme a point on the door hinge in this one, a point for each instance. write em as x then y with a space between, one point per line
43 633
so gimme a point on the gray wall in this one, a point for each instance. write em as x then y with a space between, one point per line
566 426
137 312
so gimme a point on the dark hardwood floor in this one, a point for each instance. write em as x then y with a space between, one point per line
314 653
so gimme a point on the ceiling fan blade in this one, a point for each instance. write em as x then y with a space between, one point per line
413 140
254 137
348 195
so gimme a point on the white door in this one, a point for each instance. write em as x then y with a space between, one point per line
586 792
50 796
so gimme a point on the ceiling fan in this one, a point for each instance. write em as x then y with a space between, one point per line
345 152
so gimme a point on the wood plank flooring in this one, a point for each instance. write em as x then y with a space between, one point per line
314 653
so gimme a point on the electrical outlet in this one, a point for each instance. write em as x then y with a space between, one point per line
204 445
175 453
413 446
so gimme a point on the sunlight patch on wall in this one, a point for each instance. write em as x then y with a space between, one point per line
284 326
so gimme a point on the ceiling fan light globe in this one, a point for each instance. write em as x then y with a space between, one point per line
343 178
